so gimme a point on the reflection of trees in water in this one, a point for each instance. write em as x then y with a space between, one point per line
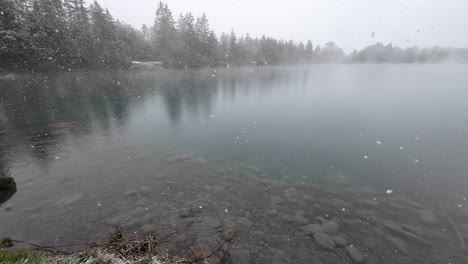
4 160
5 194
40 111
190 89
37 110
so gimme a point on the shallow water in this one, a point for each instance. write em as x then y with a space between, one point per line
266 150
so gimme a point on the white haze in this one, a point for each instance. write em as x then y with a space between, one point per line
350 23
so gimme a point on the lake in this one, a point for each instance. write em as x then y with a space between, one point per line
260 154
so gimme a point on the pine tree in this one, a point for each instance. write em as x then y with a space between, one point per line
309 51
164 33
80 34
14 37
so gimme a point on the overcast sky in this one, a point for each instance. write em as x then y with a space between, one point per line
350 23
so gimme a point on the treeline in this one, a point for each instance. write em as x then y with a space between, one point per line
380 53
67 35
64 34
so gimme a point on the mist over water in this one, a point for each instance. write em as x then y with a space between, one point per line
77 144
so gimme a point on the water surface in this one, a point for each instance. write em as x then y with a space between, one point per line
85 147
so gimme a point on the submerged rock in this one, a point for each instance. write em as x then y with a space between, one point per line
399 245
276 199
185 223
272 213
355 254
299 219
244 221
240 256
325 241
340 241
330 227
187 212
428 217
311 229
229 229
147 228
320 219
7 183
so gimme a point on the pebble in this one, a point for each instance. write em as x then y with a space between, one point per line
185 223
325 241
340 241
147 228
272 213
145 190
311 229
320 219
276 199
229 229
428 217
240 256
330 227
355 254
400 245
187 212
244 221
131 193
299 219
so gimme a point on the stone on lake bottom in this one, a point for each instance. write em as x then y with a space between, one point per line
340 241
330 227
355 254
325 241
311 229
240 256
428 217
147 228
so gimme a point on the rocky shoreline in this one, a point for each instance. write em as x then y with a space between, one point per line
273 221
206 207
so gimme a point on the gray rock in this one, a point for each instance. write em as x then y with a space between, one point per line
244 221
272 213
428 217
299 219
399 245
320 219
325 241
330 227
229 229
185 223
145 190
340 241
286 218
276 199
290 192
131 193
355 254
187 212
240 256
311 229
147 228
